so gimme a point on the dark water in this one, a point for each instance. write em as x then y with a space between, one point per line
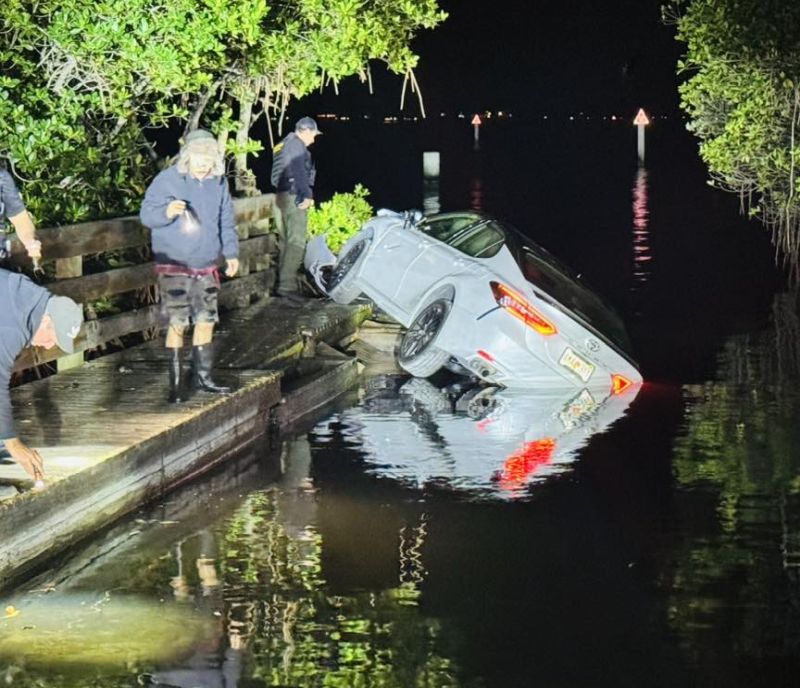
427 534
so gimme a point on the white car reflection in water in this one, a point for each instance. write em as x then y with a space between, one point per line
491 441
478 297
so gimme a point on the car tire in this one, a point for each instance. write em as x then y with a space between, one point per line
340 283
417 353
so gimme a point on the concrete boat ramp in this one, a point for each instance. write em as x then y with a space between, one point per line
111 442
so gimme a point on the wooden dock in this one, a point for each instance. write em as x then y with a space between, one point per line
111 442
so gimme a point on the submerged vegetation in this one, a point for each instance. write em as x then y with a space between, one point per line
257 582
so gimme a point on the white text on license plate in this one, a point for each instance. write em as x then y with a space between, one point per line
577 364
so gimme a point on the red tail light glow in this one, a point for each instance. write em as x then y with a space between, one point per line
517 306
523 463
619 383
486 355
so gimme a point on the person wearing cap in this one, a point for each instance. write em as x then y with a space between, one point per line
13 209
30 315
189 210
293 176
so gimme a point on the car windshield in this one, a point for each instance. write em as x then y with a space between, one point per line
447 227
548 274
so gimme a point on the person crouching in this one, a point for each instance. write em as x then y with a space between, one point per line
189 211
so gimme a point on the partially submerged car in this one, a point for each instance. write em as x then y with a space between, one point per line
468 437
478 296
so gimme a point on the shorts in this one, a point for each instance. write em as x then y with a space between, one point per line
189 298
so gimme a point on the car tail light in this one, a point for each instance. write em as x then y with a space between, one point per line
486 355
515 304
619 383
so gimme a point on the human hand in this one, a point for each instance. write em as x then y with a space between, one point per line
231 267
28 458
175 208
34 249
306 204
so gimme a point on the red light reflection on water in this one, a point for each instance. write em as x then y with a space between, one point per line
521 465
641 231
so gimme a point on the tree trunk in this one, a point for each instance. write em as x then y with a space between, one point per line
245 180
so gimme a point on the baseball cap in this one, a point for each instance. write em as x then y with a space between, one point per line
67 317
307 123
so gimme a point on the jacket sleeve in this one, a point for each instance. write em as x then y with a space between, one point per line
227 224
7 429
298 171
10 200
153 213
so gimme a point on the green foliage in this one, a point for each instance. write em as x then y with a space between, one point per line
67 166
743 100
83 82
736 467
341 217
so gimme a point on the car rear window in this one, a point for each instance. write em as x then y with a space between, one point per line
546 273
446 227
482 242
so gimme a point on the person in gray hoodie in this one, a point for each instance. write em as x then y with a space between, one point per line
30 315
189 210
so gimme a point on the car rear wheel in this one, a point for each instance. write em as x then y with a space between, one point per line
340 284
418 353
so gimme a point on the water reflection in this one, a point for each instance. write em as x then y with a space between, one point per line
641 233
430 196
476 194
318 566
233 593
736 580
490 441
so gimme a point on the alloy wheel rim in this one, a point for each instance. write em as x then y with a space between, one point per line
423 330
345 265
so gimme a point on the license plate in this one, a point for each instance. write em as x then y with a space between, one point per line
577 364
575 410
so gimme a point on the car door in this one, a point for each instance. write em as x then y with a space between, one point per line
409 260
389 266
458 253
435 258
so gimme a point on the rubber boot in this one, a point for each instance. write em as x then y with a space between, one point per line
203 362
174 362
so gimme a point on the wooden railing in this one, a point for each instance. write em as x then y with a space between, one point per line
67 246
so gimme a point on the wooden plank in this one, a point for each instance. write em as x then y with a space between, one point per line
96 333
88 237
239 293
114 234
109 283
234 294
121 280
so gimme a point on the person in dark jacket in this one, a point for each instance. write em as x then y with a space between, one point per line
29 315
189 209
293 176
13 209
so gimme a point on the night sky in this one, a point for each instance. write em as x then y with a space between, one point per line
533 58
